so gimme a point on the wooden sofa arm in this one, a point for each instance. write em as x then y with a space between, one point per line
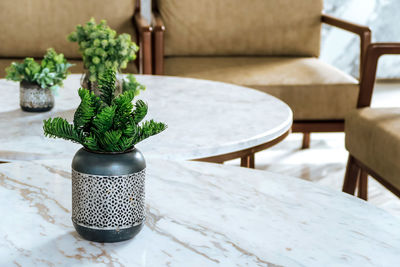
362 31
158 31
143 30
374 52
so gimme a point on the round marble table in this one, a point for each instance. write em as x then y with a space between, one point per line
198 214
207 120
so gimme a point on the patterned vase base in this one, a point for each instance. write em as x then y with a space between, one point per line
108 208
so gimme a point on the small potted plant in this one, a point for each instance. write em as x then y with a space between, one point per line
38 81
102 49
108 173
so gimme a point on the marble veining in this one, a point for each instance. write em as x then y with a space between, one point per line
198 214
204 119
342 49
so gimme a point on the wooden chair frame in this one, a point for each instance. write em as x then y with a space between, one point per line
144 35
308 126
356 171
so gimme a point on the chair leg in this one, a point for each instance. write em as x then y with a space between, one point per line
306 141
247 161
351 176
363 185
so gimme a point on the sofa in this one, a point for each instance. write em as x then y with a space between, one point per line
29 27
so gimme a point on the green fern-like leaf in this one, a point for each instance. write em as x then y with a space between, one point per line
125 143
132 129
140 111
123 109
91 143
110 140
107 86
149 128
104 120
86 110
60 128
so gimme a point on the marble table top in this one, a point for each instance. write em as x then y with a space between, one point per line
204 119
198 214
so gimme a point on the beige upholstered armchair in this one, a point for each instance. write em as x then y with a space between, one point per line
29 27
373 134
269 45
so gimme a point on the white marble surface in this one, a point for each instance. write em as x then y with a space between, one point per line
198 214
204 119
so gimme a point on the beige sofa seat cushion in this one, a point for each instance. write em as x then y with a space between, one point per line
314 90
237 27
78 68
29 27
373 137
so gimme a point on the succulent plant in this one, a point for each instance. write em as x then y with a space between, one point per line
49 74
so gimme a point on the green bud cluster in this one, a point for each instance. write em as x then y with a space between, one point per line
49 74
102 48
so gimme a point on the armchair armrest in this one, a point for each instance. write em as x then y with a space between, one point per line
345 25
144 30
158 32
374 52
362 31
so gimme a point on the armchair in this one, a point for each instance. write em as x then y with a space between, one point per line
272 46
29 27
372 134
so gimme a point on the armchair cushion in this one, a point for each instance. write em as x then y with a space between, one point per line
78 68
314 90
237 27
373 137
29 27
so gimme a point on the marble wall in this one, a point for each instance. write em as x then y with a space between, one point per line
340 48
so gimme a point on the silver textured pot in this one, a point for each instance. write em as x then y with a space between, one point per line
33 98
108 193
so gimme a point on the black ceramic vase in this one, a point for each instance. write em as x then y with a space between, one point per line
108 192
33 98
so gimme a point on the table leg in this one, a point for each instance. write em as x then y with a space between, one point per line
251 160
306 141
247 161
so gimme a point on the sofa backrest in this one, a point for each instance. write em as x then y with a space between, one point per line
29 27
241 27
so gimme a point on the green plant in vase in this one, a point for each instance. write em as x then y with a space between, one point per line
37 81
102 48
108 173
106 123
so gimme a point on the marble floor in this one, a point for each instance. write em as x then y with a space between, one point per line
324 163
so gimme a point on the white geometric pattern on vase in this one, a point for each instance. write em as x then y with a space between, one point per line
108 202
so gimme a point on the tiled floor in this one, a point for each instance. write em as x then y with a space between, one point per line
324 163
